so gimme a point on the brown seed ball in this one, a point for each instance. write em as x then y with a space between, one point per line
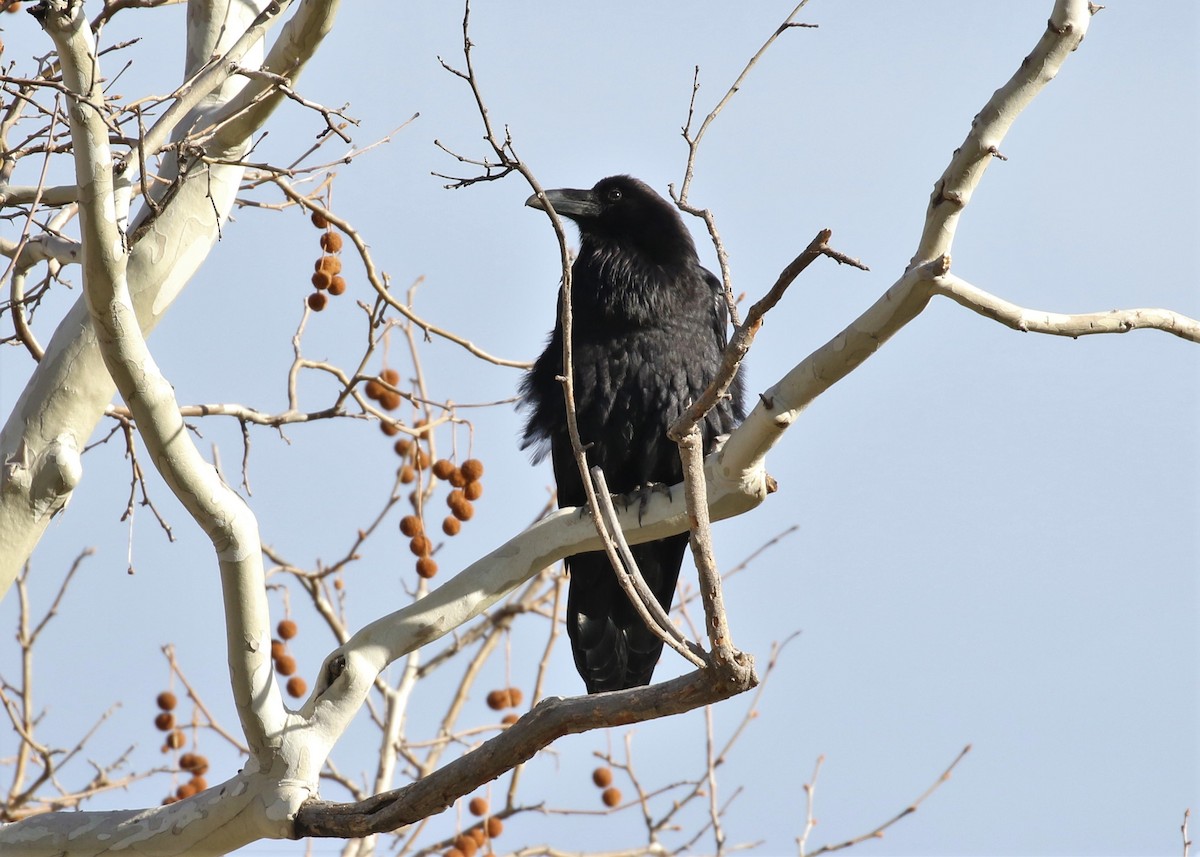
426 567
391 376
339 584
456 478
478 806
453 852
510 719
389 428
423 460
442 468
319 221
494 827
297 687
176 740
403 446
165 721
170 799
285 664
497 700
420 545
187 761
515 697
374 389
331 242
472 469
411 526
317 301
407 474
329 264
466 844
200 783
389 401
337 286
278 649
322 280
460 506
451 526
166 700
478 834
185 790
287 629
602 777
473 490
611 797
201 765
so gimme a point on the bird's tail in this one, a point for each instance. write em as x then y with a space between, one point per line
613 648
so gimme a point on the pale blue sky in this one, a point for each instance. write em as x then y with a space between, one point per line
997 538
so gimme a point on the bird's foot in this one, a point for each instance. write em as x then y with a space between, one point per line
642 494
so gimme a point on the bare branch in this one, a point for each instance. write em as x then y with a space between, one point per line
630 577
877 833
217 509
743 335
380 286
1060 324
549 720
952 192
693 144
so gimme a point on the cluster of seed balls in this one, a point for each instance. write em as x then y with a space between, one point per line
465 488
387 399
506 697
326 278
190 763
474 838
603 777
285 664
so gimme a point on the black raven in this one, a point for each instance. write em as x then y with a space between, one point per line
649 324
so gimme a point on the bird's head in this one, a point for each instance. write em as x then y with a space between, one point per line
624 211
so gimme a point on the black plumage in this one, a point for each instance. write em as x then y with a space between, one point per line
648 327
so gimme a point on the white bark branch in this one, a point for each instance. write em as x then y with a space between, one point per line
213 80
218 510
70 388
297 43
1062 324
781 404
1064 31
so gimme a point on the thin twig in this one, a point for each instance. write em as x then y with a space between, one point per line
877 833
629 576
693 144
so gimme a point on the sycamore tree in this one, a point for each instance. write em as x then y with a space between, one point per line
412 665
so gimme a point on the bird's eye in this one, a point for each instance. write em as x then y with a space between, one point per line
613 195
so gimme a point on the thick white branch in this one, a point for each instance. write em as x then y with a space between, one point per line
213 56
297 43
1064 31
1063 324
41 248
734 487
246 808
216 508
70 388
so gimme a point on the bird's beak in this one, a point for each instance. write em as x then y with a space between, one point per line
571 203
